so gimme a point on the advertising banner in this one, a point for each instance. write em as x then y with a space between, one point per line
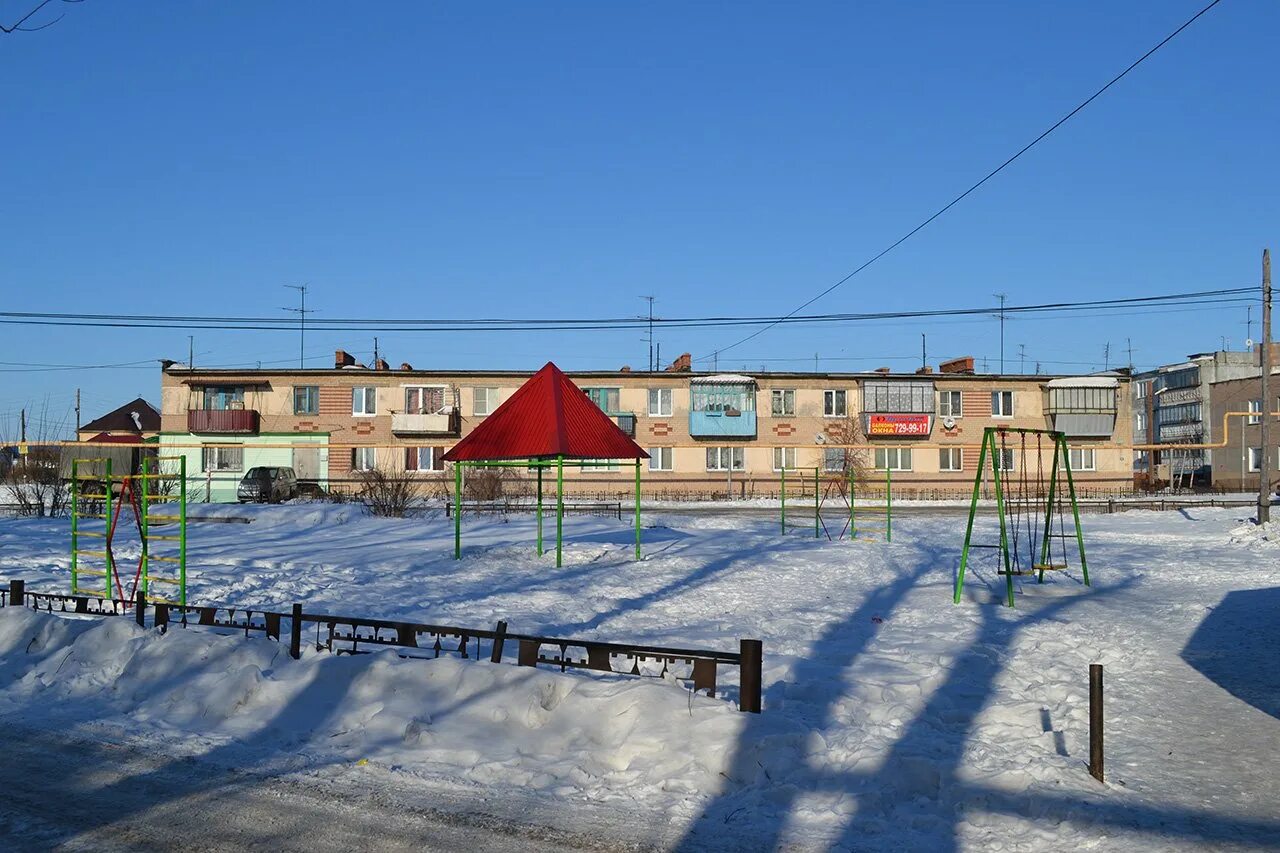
908 426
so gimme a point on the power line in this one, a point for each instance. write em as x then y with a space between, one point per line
997 170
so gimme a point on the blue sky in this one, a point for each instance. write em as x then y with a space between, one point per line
521 159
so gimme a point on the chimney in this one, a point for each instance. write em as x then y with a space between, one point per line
683 364
342 358
957 365
626 368
924 371
404 365
381 364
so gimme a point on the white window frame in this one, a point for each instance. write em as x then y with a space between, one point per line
1005 460
881 458
365 458
313 392
1254 406
431 461
216 455
445 406
489 394
829 398
949 455
609 390
1080 454
948 410
787 396
599 466
1253 460
780 455
366 396
737 458
997 411
661 459
658 407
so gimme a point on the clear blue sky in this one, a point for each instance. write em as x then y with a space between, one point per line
541 159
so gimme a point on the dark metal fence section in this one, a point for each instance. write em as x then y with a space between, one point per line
356 635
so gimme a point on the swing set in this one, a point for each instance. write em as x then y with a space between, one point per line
796 497
1026 507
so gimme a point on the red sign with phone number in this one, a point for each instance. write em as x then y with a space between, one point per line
912 425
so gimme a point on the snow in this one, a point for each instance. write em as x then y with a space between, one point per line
893 718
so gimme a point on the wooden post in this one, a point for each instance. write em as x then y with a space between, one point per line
295 630
140 607
1095 722
498 642
17 593
750 664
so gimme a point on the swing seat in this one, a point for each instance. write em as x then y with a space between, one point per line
1049 567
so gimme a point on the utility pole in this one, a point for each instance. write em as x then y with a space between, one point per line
1264 469
23 427
191 352
1001 297
302 313
650 299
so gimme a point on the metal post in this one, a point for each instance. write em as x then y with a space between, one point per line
888 503
1095 722
140 607
111 567
996 462
17 593
559 510
1075 513
637 509
782 493
1048 507
816 517
852 531
1264 467
295 632
182 528
75 523
973 509
143 529
457 510
750 666
538 510
495 656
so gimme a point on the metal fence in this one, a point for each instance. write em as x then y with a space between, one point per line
699 668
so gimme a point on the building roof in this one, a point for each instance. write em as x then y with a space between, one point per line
121 419
547 416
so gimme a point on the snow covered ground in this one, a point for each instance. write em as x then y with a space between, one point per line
893 718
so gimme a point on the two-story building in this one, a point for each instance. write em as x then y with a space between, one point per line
708 434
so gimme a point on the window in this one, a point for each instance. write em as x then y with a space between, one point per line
306 399
833 404
423 459
224 457
1140 421
1142 389
484 401
1082 459
659 402
783 402
724 458
605 398
833 460
222 397
784 458
426 400
1182 413
901 396
1083 400
950 404
364 401
1254 406
950 458
1002 405
1004 459
364 458
659 458
893 458
722 397
1254 460
599 466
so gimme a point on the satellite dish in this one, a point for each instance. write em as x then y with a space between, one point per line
949 422
1248 343
819 439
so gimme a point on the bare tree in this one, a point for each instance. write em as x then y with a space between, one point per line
850 455
34 481
389 494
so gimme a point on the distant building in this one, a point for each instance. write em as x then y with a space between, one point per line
1238 466
134 421
708 433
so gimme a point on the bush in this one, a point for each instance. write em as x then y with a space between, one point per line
389 494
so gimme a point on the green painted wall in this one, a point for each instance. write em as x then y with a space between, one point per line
220 486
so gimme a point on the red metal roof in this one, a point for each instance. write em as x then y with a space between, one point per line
548 416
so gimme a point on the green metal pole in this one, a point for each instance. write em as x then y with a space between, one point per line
75 523
560 511
783 495
1004 534
144 528
1048 513
852 531
182 528
637 509
457 510
973 509
816 519
538 511
111 564
888 505
1075 514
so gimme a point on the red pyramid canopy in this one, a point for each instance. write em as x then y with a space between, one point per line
548 416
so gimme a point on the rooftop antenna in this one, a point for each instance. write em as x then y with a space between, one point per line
1022 356
924 352
375 353
1001 297
650 300
302 313
1106 356
1128 342
1248 322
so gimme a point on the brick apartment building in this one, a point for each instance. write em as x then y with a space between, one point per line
1238 466
708 434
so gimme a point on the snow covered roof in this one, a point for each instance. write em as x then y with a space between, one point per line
724 379
1084 382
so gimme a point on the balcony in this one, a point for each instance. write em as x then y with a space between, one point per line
728 424
438 423
241 421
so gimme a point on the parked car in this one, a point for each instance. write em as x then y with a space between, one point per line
268 485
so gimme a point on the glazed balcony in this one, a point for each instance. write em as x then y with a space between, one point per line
448 424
